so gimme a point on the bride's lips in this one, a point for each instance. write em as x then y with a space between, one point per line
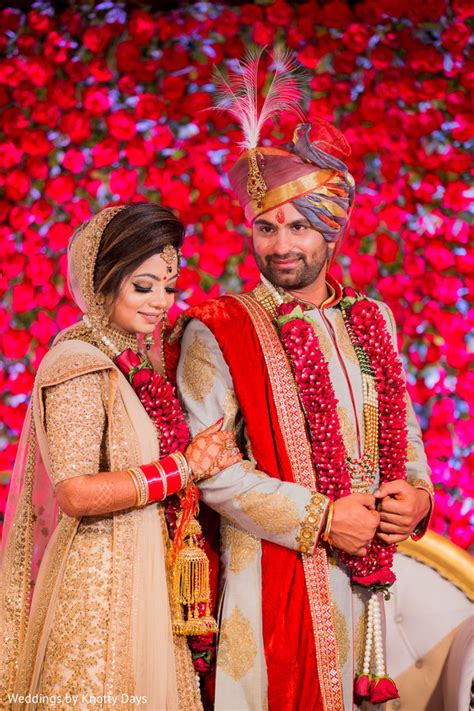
150 318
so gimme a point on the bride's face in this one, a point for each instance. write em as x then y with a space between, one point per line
145 295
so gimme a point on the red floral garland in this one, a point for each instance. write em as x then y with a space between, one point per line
158 397
159 400
319 401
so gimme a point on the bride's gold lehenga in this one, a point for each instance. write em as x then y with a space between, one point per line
98 634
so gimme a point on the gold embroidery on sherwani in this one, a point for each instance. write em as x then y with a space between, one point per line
342 337
323 340
237 646
242 547
198 370
274 512
311 523
342 634
359 641
412 454
348 432
292 424
231 407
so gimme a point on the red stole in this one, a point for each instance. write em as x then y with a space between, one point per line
287 629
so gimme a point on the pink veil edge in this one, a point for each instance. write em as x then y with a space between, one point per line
43 502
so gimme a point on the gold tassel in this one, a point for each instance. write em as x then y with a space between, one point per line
191 586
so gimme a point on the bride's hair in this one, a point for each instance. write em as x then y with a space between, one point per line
131 237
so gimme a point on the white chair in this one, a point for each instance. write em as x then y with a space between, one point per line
430 628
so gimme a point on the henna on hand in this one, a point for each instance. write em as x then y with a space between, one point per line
211 451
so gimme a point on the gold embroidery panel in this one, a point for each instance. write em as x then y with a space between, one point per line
198 370
311 524
412 455
69 365
273 512
77 648
237 646
74 423
242 547
348 431
342 634
342 337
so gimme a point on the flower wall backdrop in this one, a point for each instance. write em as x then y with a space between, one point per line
101 104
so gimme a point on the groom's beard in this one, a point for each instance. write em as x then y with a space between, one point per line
303 274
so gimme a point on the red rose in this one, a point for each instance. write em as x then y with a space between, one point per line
362 686
141 377
380 578
17 185
76 125
149 106
97 38
60 188
121 125
127 56
40 71
43 329
100 70
279 13
10 155
58 236
127 361
96 101
14 122
10 19
73 160
23 295
105 153
40 22
45 114
36 143
141 27
356 37
383 689
140 152
62 94
15 343
123 183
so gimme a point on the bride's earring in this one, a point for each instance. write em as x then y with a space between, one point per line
163 329
148 340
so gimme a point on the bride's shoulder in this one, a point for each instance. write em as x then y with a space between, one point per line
69 359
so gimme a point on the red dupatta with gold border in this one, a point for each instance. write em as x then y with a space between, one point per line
298 627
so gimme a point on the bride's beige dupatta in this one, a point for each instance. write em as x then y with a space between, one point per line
142 657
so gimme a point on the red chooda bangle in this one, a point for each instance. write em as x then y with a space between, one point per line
166 476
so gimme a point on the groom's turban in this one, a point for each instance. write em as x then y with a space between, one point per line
310 175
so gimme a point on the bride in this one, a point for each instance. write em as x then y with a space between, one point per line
86 617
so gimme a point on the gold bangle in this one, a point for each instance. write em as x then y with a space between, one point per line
164 480
327 527
142 485
183 467
135 485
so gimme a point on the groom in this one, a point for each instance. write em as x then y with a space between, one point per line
307 376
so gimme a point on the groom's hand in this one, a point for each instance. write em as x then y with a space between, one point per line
401 508
354 523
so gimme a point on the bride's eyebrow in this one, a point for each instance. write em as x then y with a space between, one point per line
154 277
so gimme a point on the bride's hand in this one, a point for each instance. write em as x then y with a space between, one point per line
210 451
